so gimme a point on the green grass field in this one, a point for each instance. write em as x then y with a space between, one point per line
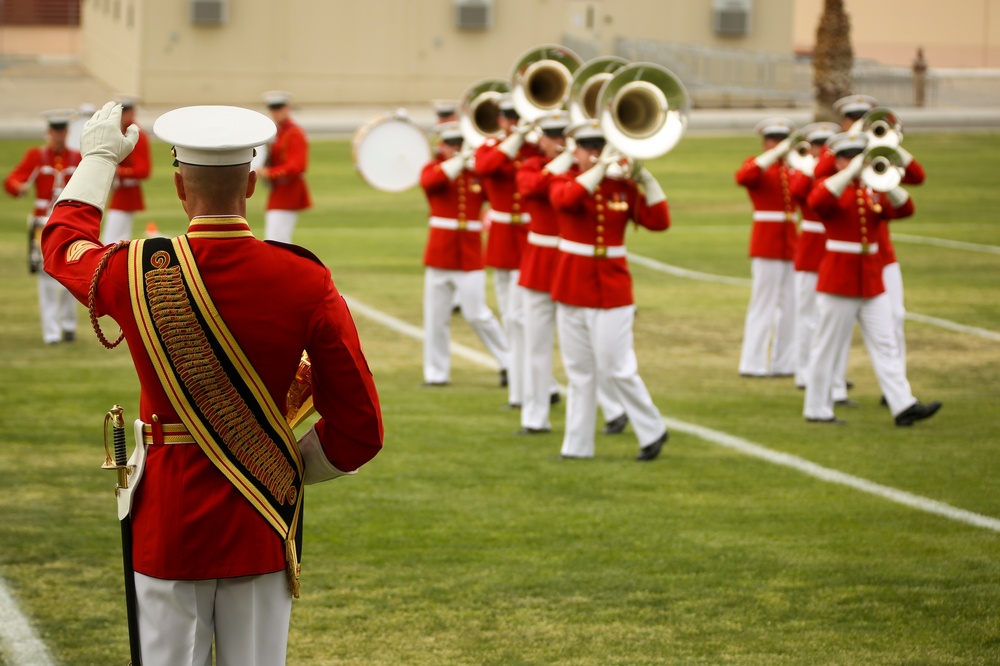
464 544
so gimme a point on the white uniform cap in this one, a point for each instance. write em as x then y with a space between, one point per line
815 132
506 102
444 107
782 126
847 141
126 100
86 109
855 104
585 129
448 131
214 135
559 120
58 118
276 97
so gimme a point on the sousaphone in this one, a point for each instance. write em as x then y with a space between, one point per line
479 111
643 110
540 80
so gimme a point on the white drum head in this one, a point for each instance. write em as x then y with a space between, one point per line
390 152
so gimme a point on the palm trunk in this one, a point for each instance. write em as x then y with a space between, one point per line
833 59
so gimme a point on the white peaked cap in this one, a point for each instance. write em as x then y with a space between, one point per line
57 117
448 131
276 97
820 131
585 129
554 121
847 141
855 103
775 126
214 135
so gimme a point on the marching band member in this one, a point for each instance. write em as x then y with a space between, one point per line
770 319
285 171
47 168
850 286
593 290
216 322
126 194
454 258
852 109
497 162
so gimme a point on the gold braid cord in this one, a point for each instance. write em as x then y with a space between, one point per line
92 296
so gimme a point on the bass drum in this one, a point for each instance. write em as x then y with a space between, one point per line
390 151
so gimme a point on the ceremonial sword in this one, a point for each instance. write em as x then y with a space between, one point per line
120 464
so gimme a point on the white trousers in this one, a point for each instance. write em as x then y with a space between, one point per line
279 225
595 343
770 320
806 318
892 278
440 290
117 225
57 307
837 316
511 306
247 617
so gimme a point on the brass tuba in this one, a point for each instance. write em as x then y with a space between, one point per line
540 80
882 169
883 127
588 80
479 111
643 110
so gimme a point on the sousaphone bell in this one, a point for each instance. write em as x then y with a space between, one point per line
883 127
585 89
643 110
540 80
479 111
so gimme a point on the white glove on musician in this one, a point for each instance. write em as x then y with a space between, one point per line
769 157
453 166
560 163
654 193
317 467
897 196
103 147
838 182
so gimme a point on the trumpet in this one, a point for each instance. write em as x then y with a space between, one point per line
643 110
479 111
540 80
883 127
882 169
800 155
585 89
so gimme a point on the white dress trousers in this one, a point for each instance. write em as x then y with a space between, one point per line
247 617
57 307
116 226
597 342
280 224
770 320
806 318
892 278
440 290
837 316
509 302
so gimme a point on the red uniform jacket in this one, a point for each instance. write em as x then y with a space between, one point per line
461 201
135 168
505 241
538 263
287 159
188 520
598 219
811 243
48 170
855 217
769 192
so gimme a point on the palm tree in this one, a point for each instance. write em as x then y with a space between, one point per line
833 59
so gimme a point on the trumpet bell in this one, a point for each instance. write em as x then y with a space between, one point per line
801 158
882 169
643 110
540 80
585 89
883 127
479 111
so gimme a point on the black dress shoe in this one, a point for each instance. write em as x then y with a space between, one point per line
513 405
846 402
916 412
555 398
68 336
435 383
883 402
616 425
833 420
503 378
650 451
533 431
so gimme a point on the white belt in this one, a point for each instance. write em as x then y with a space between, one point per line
813 227
507 218
41 203
543 241
848 247
771 216
130 182
456 225
584 250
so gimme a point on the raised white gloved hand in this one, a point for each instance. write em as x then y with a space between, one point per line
905 157
837 183
103 146
512 144
453 166
593 176
897 196
654 193
560 163
769 157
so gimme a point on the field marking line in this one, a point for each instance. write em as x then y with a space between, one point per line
739 444
944 242
18 639
677 271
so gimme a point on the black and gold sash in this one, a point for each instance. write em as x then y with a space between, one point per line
214 388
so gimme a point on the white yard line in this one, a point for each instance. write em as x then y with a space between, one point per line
19 643
944 242
729 441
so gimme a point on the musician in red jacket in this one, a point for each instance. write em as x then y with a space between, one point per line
769 329
47 168
284 171
593 289
497 162
850 286
126 192
216 322
454 258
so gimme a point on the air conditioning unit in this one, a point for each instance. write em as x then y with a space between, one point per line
209 12
474 14
731 17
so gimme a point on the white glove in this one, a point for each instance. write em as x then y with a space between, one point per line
593 176
513 143
654 193
560 163
769 157
838 182
103 146
897 196
453 166
905 157
317 467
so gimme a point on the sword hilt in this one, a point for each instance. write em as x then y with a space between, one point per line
119 462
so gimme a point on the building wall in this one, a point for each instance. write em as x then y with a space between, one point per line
965 33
